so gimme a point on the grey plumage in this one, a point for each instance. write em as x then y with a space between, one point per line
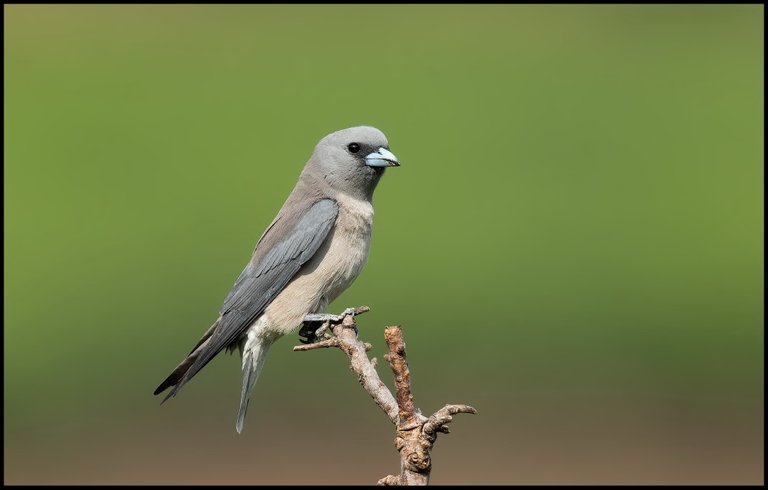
313 249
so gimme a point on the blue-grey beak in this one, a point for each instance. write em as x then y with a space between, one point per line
382 158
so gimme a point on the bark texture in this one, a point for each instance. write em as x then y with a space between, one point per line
415 433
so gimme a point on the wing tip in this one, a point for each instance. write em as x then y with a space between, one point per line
175 381
170 394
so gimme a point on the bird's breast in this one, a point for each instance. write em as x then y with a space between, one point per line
332 269
350 243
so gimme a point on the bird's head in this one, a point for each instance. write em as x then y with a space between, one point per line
352 160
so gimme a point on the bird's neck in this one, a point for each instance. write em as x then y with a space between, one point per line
360 187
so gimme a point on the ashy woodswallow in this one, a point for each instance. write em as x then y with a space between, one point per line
312 251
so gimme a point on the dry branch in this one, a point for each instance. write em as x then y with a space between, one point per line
416 434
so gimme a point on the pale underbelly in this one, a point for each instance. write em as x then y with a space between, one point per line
320 281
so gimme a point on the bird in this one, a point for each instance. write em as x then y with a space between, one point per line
312 251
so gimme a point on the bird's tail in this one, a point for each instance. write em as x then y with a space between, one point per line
254 352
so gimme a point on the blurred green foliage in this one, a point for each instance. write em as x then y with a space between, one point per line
574 242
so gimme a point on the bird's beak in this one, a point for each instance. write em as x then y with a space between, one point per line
382 158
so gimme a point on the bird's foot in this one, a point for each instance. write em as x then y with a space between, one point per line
315 325
313 331
329 317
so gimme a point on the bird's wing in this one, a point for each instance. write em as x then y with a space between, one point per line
264 277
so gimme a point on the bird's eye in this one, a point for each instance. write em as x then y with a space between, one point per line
353 147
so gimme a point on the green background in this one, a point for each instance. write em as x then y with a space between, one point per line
573 244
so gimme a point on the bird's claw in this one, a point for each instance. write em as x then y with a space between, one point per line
312 333
349 312
329 317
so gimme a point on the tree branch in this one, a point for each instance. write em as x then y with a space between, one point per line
345 338
416 434
396 359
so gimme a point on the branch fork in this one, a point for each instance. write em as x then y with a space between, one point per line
415 433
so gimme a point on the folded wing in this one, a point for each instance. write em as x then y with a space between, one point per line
275 262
